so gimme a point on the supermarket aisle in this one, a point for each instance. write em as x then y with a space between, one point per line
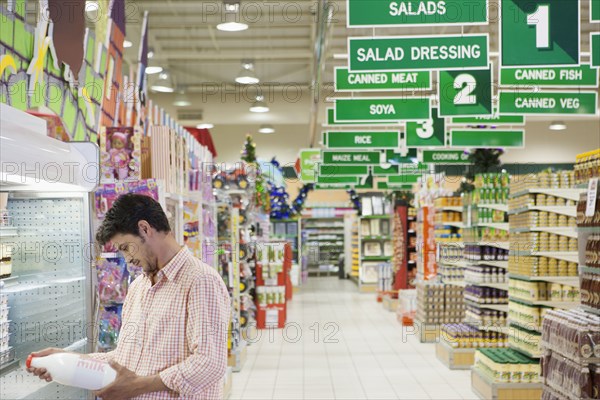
369 361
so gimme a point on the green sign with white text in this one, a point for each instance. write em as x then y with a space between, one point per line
445 157
331 121
397 158
361 140
427 133
388 109
337 180
594 10
583 75
539 33
351 157
380 81
550 103
397 186
487 138
309 158
343 170
595 49
494 119
463 93
373 13
399 53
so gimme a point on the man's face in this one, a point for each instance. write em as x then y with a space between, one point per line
137 252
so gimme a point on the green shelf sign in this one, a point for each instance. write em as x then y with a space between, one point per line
445 157
539 33
337 180
309 159
380 13
397 186
343 170
583 76
595 49
391 109
400 53
331 121
487 139
549 103
381 81
594 11
427 133
351 157
494 119
380 171
465 93
361 139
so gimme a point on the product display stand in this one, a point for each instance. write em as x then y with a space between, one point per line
355 272
323 241
273 262
375 248
289 231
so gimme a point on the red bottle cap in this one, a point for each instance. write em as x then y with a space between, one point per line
28 361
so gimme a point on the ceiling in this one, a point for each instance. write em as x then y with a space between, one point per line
282 42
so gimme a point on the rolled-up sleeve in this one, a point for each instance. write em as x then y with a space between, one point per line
208 318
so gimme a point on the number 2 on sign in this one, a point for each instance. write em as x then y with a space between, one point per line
541 19
467 84
426 129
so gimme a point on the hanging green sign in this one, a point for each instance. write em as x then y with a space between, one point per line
445 157
397 158
379 13
427 133
416 53
337 180
365 182
539 33
463 93
381 81
331 121
351 157
404 178
388 109
487 138
361 140
595 49
494 119
594 11
397 186
582 76
309 158
343 170
549 103
381 171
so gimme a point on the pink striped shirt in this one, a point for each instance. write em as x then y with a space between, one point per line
178 329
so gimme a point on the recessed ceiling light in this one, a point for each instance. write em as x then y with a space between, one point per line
150 53
127 44
558 126
205 125
232 26
267 129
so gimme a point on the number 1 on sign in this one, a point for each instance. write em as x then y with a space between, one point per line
541 19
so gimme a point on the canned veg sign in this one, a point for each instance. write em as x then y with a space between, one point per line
418 53
371 13
550 103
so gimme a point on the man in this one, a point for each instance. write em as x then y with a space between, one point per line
173 341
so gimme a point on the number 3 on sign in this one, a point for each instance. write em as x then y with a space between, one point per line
425 131
467 84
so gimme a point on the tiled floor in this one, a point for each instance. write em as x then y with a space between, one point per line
340 344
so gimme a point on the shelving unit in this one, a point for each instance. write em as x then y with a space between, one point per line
323 241
375 247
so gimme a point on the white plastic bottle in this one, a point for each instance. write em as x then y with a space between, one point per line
74 370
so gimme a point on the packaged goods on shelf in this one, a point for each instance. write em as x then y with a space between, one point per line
507 366
574 334
568 379
587 166
453 201
491 188
526 316
454 309
485 274
526 341
542 241
485 295
533 219
540 266
478 316
430 302
485 234
407 306
592 252
467 337
538 200
590 291
485 253
447 216
449 273
544 180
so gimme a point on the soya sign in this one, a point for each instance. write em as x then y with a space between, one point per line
386 109
539 32
380 81
361 140
331 121
372 13
418 53
549 103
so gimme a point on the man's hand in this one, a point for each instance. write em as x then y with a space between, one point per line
42 373
127 384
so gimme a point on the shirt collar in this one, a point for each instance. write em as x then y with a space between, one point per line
170 270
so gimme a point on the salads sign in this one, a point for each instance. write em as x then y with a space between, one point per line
374 13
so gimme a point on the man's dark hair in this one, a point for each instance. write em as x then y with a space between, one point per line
126 212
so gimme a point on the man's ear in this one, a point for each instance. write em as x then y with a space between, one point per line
145 229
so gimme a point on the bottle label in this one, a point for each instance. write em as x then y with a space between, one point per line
89 373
